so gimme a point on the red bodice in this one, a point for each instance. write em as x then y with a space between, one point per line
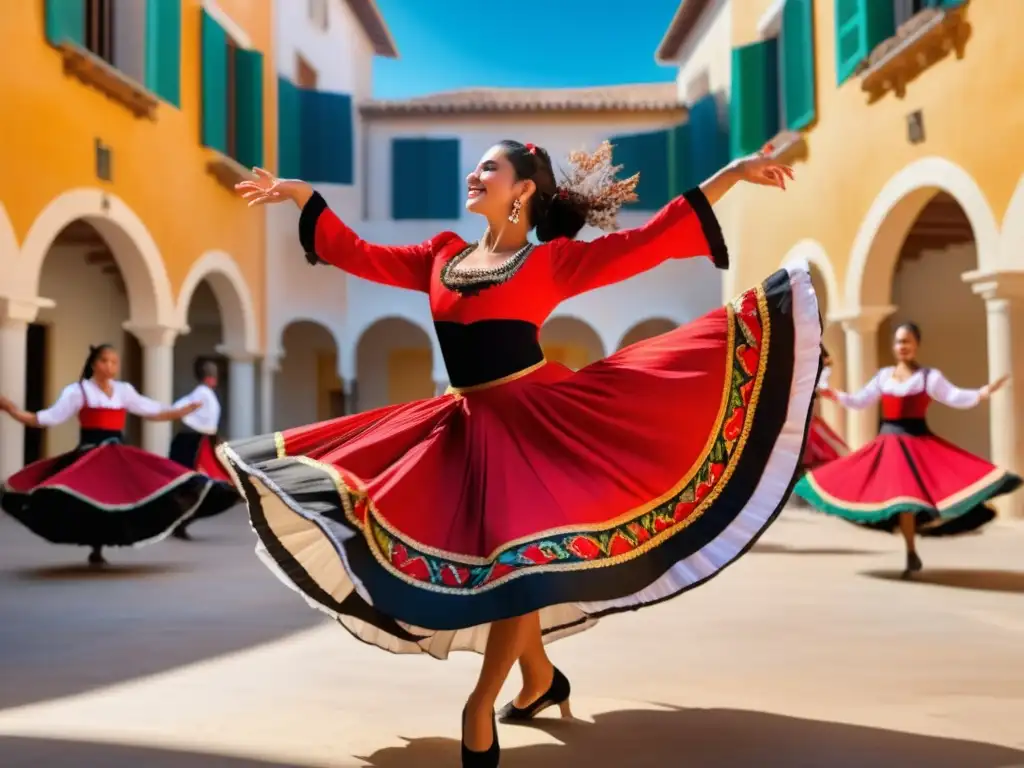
105 419
895 407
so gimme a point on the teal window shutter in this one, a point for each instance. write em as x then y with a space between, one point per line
648 155
945 4
860 26
624 154
708 153
289 131
680 167
214 41
248 107
65 21
408 187
797 43
445 182
327 137
163 49
754 106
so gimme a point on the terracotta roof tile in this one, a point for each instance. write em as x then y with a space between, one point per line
645 97
372 22
679 29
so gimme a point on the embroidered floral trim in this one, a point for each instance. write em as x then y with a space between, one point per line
621 539
473 280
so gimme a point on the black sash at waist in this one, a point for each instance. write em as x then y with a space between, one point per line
476 353
913 427
88 438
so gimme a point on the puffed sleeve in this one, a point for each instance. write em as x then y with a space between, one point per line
140 405
326 237
866 397
684 228
68 404
941 390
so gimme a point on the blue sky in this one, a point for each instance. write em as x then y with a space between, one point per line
449 44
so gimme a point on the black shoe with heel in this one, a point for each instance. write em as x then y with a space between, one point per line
486 759
556 695
914 565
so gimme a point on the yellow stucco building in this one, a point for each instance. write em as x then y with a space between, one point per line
902 120
125 125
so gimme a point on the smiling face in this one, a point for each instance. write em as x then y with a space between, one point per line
107 365
493 186
904 346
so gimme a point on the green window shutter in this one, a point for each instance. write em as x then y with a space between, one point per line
248 107
860 26
408 190
680 167
289 130
443 172
754 104
214 84
647 154
327 137
797 43
163 49
708 153
65 21
944 4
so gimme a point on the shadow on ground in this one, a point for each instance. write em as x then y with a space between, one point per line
765 548
714 738
962 578
85 571
18 752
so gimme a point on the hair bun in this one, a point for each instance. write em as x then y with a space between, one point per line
563 218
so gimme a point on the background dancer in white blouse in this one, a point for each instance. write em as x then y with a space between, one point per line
907 477
103 493
194 447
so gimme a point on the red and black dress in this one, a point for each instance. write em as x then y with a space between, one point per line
907 468
823 443
103 493
528 486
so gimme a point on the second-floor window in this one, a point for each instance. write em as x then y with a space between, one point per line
99 29
425 179
319 15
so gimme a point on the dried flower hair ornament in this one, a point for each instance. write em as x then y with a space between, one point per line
592 184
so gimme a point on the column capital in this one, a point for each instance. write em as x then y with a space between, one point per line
22 309
152 335
863 319
995 284
236 355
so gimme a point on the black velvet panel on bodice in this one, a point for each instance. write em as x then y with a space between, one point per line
475 353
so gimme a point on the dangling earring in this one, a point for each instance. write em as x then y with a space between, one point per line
514 216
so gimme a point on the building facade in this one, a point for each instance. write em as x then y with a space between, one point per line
345 344
901 120
128 123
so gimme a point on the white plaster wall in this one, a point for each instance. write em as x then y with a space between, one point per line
296 388
708 50
89 310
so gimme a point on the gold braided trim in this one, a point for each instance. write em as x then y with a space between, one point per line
457 391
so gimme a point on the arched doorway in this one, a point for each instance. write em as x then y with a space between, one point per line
394 364
308 387
571 342
646 329
203 341
927 289
91 306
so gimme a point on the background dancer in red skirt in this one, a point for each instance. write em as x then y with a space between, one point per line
530 500
103 493
194 446
907 477
823 444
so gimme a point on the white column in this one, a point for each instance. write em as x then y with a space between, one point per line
834 341
241 395
861 329
157 380
998 292
13 336
268 370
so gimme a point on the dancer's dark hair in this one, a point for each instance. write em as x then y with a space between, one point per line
94 354
204 369
912 329
551 214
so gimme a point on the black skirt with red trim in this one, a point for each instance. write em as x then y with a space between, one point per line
196 451
104 494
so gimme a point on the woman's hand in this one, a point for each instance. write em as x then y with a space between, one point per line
762 169
828 394
995 386
265 188
6 405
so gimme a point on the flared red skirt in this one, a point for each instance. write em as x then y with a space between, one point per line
197 451
574 494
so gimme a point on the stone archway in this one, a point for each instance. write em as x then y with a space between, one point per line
1011 247
646 329
571 341
394 363
238 314
8 250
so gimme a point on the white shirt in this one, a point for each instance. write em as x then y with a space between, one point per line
205 418
823 379
939 389
71 402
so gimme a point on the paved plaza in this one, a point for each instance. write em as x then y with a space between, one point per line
809 652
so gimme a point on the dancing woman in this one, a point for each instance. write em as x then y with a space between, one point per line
102 493
529 500
823 444
194 446
907 477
